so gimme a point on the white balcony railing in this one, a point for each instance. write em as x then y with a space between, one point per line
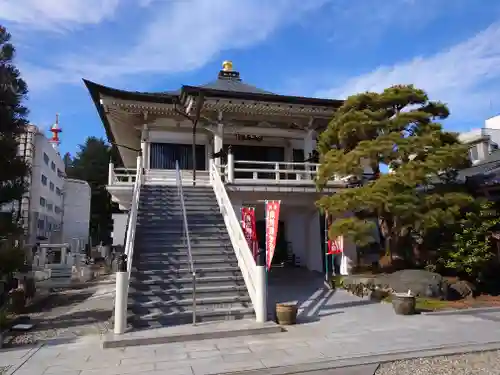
117 176
248 172
237 172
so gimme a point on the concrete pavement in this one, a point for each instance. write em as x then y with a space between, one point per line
345 334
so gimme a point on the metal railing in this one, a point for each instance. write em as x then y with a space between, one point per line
185 231
132 219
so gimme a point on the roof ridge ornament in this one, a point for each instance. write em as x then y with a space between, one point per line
227 66
227 71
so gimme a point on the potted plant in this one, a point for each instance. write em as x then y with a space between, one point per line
286 313
404 303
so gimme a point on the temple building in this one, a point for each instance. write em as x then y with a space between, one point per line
258 143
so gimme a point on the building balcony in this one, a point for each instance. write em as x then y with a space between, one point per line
238 175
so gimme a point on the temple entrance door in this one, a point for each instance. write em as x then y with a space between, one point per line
256 153
164 155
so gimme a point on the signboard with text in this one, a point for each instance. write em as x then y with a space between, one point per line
249 228
335 246
272 220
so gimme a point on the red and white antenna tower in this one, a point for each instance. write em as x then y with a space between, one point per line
55 130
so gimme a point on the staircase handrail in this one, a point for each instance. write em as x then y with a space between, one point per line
246 261
132 220
180 192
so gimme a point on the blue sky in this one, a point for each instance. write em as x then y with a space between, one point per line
325 48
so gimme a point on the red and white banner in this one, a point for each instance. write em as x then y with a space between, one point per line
249 228
335 246
272 220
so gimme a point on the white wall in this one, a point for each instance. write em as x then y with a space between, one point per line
119 227
76 221
296 234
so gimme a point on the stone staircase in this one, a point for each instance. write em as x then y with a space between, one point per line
160 292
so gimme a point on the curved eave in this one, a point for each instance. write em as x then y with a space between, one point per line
299 100
95 94
97 91
149 97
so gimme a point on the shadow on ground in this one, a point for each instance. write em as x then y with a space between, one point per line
307 289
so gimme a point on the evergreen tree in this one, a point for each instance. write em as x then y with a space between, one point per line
91 164
395 128
13 90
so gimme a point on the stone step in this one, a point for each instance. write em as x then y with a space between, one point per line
170 225
157 318
186 282
193 221
178 217
168 199
181 247
150 189
151 275
176 238
180 264
176 204
183 254
223 325
153 210
178 228
174 305
174 294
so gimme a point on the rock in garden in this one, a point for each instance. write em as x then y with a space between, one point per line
422 283
461 289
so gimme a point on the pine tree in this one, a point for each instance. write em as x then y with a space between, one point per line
13 90
91 164
397 129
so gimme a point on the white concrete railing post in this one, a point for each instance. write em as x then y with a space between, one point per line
277 171
63 256
111 176
230 166
261 294
120 323
138 172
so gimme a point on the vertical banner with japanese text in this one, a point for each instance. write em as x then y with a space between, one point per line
249 228
335 246
272 220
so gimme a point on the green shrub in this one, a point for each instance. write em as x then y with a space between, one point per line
470 250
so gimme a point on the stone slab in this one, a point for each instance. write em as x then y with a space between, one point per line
470 311
182 333
369 361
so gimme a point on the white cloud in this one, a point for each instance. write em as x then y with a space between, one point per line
180 36
56 14
458 75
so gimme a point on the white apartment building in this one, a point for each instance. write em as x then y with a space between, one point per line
54 209
482 141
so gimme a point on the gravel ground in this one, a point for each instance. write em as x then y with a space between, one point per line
3 369
67 313
485 363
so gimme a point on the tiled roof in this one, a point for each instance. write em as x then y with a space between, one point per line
234 85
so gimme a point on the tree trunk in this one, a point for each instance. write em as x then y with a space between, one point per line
388 247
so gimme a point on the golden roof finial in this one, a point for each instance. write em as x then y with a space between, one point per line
227 66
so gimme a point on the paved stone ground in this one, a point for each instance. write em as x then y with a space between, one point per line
14 357
349 328
71 312
486 363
